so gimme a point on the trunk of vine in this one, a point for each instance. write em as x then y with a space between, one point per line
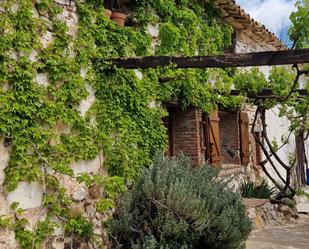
282 183
301 159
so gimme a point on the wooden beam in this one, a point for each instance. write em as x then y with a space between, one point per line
269 58
267 93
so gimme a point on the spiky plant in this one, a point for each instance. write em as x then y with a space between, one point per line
259 191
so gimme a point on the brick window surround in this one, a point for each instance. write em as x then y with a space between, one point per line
189 134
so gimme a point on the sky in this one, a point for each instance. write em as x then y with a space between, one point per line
274 14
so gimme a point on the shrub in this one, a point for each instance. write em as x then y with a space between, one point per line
261 191
172 206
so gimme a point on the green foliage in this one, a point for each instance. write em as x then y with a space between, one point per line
104 205
299 31
169 36
302 192
43 123
281 81
250 81
28 239
126 128
79 226
259 191
5 222
172 205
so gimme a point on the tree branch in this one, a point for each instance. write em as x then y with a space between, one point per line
266 154
264 134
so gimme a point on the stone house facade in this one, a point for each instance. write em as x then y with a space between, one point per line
224 139
221 138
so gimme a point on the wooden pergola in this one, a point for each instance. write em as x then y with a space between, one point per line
269 58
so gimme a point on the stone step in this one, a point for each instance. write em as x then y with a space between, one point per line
303 207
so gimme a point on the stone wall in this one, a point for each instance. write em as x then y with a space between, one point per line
187 139
29 195
262 213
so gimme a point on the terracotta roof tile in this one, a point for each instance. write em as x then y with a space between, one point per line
240 20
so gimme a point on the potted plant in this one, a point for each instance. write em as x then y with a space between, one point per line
119 16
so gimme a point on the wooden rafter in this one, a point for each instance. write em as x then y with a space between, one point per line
269 58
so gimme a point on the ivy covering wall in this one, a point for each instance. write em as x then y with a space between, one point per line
43 125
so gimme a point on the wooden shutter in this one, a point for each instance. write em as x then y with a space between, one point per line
214 150
168 123
244 137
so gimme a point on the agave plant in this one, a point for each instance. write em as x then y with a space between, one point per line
259 191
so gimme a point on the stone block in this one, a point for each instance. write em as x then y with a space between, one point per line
56 242
90 209
46 39
28 195
83 72
87 166
79 194
63 2
303 207
68 183
77 208
138 74
153 30
33 55
33 216
7 239
42 79
4 206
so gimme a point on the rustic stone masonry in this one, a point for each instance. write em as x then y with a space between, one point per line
262 213
187 137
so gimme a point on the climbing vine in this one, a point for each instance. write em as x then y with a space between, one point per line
42 121
44 126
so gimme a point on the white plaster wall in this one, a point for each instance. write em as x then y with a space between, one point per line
153 31
277 127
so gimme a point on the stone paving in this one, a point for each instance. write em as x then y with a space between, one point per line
292 236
